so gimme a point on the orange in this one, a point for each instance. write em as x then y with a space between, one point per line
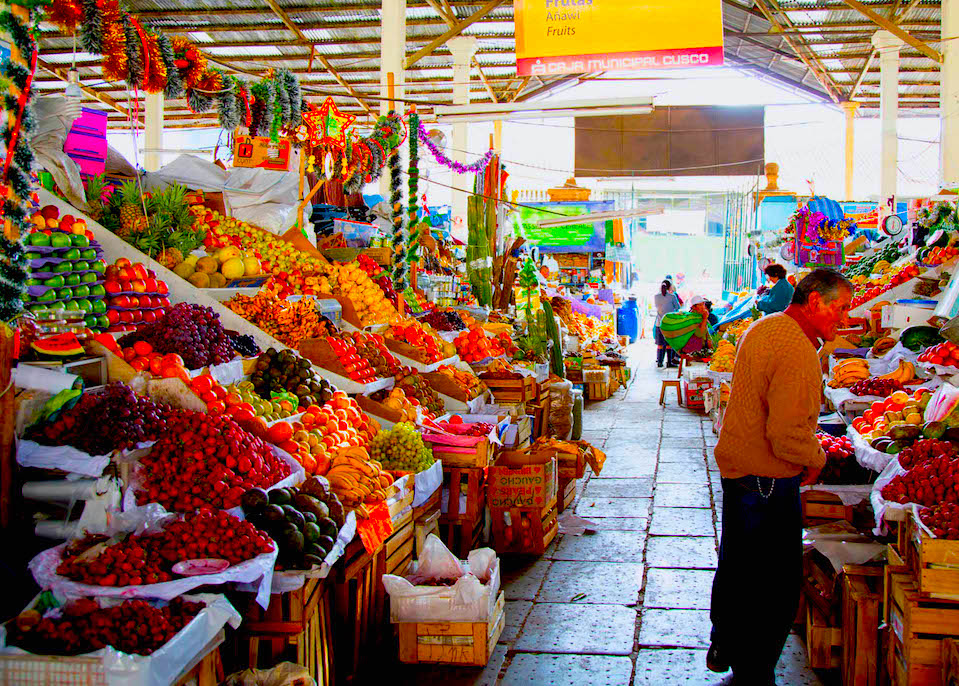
142 348
279 433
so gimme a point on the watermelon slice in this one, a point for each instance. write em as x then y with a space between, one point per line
58 347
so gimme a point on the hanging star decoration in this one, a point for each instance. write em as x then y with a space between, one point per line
328 126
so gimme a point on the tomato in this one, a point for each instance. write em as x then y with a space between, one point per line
203 383
140 364
129 354
216 407
143 348
172 359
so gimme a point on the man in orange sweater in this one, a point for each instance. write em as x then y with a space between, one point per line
768 448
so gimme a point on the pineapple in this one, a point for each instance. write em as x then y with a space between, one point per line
170 257
95 187
131 211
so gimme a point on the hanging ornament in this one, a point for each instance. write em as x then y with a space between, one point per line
328 165
327 125
302 133
310 161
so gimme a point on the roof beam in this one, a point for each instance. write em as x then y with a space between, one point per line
740 63
446 12
840 7
895 29
547 87
452 32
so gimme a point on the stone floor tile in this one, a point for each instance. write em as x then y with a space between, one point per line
613 507
682 430
533 669
682 521
521 579
681 495
682 442
603 546
572 628
621 467
674 628
682 552
619 488
656 667
636 524
597 438
681 472
595 421
516 612
632 447
681 455
613 583
685 589
793 667
711 462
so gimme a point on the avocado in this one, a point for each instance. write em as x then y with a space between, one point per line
310 561
336 510
880 443
328 527
316 486
293 516
293 542
254 499
905 432
325 542
894 448
308 503
309 517
274 514
934 430
311 532
315 549
280 496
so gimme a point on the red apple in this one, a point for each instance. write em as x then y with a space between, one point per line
162 288
149 316
126 287
123 262
164 302
140 271
137 315
121 301
127 274
126 317
151 274
113 317
134 301
139 285
150 285
112 287
112 273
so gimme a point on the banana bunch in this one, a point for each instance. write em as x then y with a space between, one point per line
357 480
883 345
847 372
881 267
905 373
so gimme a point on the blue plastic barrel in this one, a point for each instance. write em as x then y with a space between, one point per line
627 320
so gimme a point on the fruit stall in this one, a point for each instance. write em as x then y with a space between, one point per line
229 447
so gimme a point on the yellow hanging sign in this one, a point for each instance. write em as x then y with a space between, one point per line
588 36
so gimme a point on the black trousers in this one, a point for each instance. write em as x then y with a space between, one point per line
757 584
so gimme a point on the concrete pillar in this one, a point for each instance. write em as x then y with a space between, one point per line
153 138
949 97
888 46
850 107
392 59
463 49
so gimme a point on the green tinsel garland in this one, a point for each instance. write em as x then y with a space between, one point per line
413 223
399 234
174 83
134 52
90 32
229 108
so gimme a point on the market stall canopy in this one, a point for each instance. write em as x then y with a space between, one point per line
821 49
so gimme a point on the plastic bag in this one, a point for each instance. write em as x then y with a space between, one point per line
437 562
942 403
284 674
879 504
866 455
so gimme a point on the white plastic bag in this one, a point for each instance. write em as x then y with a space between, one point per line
284 674
942 403
437 562
880 506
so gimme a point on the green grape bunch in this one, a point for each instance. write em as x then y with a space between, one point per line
402 449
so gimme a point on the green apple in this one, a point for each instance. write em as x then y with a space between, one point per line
79 240
33 256
54 282
48 296
62 267
98 290
91 321
38 238
34 282
88 254
71 254
72 280
64 293
71 306
81 266
60 240
103 322
38 309
98 266
98 306
83 303
89 277
81 291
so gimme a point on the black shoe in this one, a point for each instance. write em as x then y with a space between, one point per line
715 661
659 365
672 365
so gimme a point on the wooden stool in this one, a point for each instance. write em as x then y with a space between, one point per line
667 383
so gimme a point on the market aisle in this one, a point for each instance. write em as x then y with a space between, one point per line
642 583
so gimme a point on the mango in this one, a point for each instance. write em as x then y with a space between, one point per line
233 268
200 280
207 265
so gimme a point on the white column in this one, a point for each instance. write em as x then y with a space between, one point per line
850 107
888 46
392 58
949 97
153 138
463 49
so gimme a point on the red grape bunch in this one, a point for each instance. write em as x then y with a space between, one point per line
876 386
191 331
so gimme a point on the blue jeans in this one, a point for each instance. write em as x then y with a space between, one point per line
757 583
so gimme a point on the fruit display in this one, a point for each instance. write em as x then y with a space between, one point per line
287 321
500 369
244 344
841 466
415 386
883 345
357 480
134 295
932 481
942 519
192 331
429 348
205 460
871 288
143 358
401 449
47 220
925 450
918 338
875 263
470 385
735 330
241 401
395 399
285 371
115 418
369 265
65 271
877 386
724 358
474 345
81 625
457 426
846 373
368 299
937 255
414 303
944 355
303 521
218 269
364 356
148 558
892 424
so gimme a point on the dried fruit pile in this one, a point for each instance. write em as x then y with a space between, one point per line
116 418
134 627
192 331
149 558
287 321
206 460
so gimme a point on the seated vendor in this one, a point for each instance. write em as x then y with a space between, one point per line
777 297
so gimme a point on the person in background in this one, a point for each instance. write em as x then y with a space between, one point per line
767 449
779 295
666 301
713 319
687 332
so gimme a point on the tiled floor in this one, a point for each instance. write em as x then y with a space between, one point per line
641 583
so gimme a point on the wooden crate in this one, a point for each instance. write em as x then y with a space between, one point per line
570 466
934 562
861 612
359 604
512 391
431 505
821 586
541 524
819 507
296 626
453 643
597 390
423 527
567 493
399 549
464 535
475 456
823 640
456 480
918 627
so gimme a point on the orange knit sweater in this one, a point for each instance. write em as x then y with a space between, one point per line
770 424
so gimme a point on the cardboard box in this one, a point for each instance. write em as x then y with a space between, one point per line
260 152
522 479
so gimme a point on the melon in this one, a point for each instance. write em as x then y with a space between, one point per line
200 280
233 268
207 265
217 280
58 346
228 253
251 265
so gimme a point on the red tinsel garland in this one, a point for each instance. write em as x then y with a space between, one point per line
189 60
67 14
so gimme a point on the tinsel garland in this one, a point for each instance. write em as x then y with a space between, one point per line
174 83
114 40
243 95
155 80
257 114
476 167
90 32
413 225
134 52
67 14
264 93
18 164
189 60
228 104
